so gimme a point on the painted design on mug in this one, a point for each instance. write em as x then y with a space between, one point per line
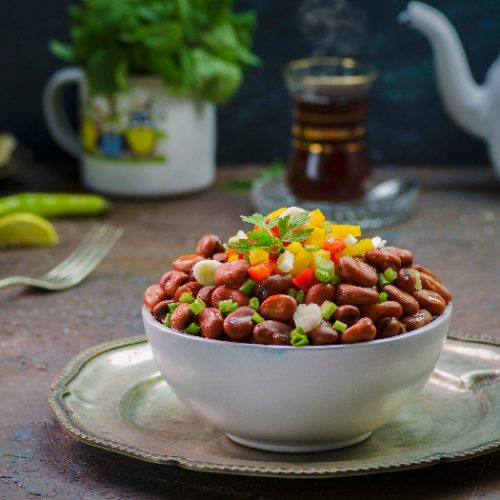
123 127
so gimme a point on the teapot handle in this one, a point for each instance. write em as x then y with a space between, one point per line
55 115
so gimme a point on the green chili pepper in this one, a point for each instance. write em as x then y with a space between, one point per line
167 321
254 303
227 306
248 286
257 318
382 281
327 309
298 337
197 306
173 306
299 297
54 204
382 297
339 326
390 274
193 329
187 298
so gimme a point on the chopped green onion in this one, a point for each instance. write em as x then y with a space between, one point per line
311 248
382 297
248 286
382 281
323 275
167 320
227 306
390 274
254 303
292 292
299 297
418 281
193 329
187 298
339 326
197 306
172 307
335 280
257 318
327 309
298 337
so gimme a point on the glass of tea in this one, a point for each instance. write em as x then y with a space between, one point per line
329 159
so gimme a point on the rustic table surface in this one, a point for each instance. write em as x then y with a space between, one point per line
456 228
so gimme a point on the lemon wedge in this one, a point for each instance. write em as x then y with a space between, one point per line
22 228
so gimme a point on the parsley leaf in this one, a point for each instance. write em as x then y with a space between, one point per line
289 225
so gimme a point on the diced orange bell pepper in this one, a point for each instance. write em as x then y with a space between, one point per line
334 245
257 255
316 218
316 238
262 270
306 279
342 230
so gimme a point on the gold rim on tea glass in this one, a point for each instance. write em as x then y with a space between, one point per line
342 71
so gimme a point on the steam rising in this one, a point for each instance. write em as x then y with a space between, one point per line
333 27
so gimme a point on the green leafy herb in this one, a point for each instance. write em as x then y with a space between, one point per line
261 238
197 47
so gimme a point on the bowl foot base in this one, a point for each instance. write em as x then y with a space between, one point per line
295 447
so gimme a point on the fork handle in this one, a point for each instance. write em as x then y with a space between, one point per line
14 280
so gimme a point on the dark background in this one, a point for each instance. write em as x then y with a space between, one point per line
407 123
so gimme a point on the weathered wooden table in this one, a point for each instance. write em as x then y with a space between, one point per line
456 228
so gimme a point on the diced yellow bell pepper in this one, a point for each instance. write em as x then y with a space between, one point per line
316 218
257 255
342 230
316 238
276 213
359 248
232 257
301 262
294 247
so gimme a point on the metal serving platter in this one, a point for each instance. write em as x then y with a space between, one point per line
112 396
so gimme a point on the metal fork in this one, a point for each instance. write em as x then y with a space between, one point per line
79 264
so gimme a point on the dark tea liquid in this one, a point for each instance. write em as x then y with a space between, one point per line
329 160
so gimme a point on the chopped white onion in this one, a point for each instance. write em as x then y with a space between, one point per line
378 242
291 211
204 271
350 240
307 316
285 261
241 235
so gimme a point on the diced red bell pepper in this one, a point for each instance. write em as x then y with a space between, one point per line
334 245
275 231
274 256
306 279
259 272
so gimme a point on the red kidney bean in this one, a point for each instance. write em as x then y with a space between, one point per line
432 301
405 255
211 322
172 280
239 324
323 334
429 283
226 293
382 260
389 327
406 280
185 263
356 272
317 294
193 287
277 283
347 313
232 273
272 332
362 331
377 311
208 245
205 294
220 257
417 320
160 310
181 317
356 295
408 303
422 269
278 307
153 295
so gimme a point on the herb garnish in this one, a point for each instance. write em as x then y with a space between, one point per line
289 228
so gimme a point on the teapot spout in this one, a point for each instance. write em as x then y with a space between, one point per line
464 99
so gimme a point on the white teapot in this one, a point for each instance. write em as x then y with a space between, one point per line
476 108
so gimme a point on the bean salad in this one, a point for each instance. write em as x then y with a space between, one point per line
296 279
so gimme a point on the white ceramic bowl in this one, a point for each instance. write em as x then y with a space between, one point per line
284 398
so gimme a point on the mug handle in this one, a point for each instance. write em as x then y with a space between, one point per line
55 115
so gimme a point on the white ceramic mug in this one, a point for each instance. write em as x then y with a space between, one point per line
145 142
